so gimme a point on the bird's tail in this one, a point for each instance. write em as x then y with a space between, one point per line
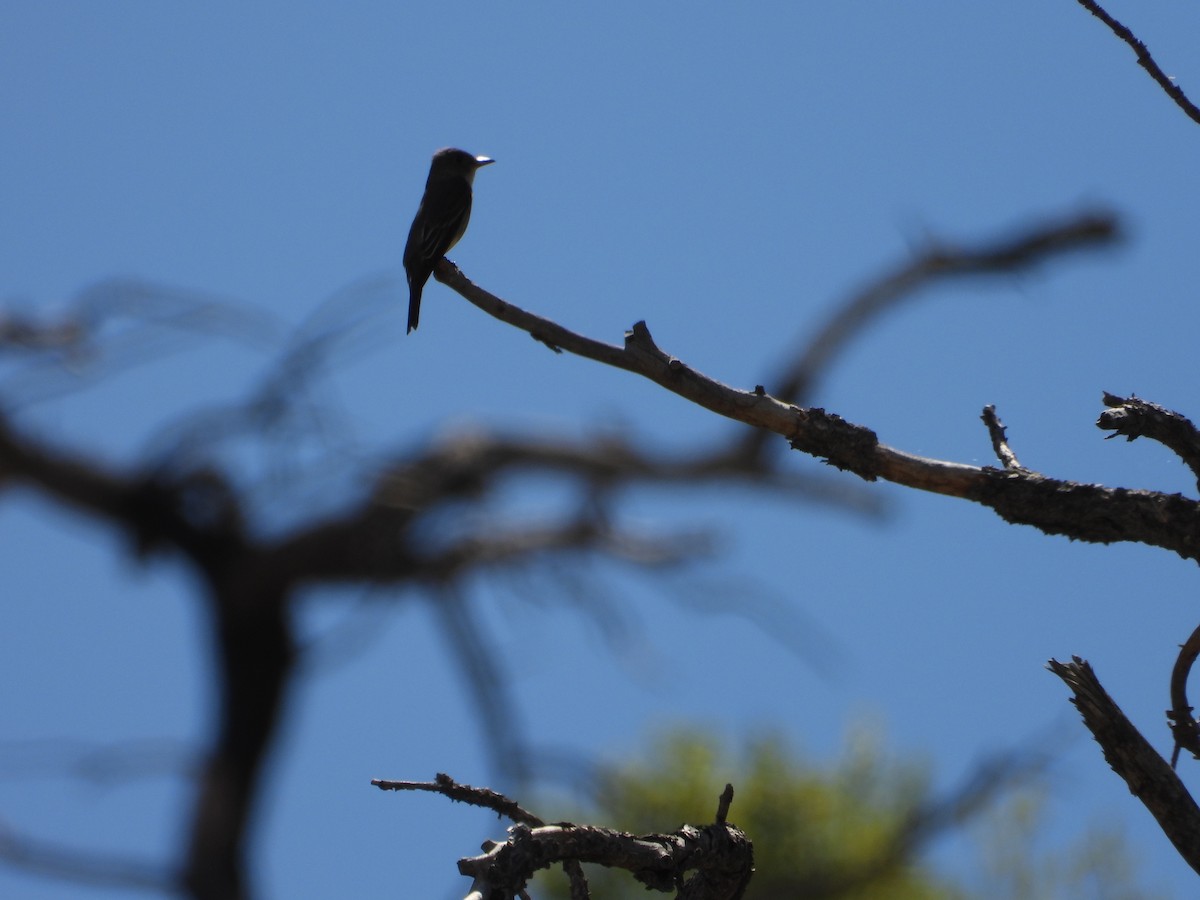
414 306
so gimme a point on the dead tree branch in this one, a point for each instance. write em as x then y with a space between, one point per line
1150 777
1083 512
999 436
720 855
1185 729
73 865
1134 418
1145 60
501 805
485 798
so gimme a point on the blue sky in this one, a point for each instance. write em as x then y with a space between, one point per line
726 175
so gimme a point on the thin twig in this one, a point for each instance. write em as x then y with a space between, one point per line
999 439
1145 60
498 803
485 798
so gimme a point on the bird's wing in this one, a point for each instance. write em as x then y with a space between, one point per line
440 221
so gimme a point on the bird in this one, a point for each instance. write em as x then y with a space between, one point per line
441 219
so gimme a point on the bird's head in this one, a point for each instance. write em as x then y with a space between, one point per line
452 161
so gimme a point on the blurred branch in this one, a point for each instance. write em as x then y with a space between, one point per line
98 763
938 262
978 789
73 480
112 327
1150 777
489 687
22 333
927 822
344 328
610 460
1145 60
517 544
92 869
251 581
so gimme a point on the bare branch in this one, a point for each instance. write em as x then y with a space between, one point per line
501 805
1136 418
484 798
1150 777
1145 60
1081 511
720 855
940 262
1185 729
723 804
996 429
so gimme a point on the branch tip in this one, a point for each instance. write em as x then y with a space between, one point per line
999 438
1145 60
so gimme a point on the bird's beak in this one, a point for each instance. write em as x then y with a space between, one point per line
481 161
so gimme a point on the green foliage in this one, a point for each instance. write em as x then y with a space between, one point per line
816 834
845 831
1096 867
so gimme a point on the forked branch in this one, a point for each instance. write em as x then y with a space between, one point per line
1085 512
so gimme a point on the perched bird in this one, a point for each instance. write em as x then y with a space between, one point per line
440 221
